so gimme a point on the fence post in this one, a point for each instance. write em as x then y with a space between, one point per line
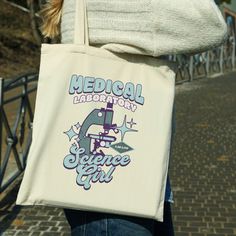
233 54
23 113
191 68
207 63
1 126
221 58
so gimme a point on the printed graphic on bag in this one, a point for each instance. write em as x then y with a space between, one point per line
86 153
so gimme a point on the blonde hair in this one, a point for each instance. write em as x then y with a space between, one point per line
51 16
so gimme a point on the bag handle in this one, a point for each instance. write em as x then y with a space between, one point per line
81 23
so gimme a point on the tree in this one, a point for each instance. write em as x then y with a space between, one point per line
33 19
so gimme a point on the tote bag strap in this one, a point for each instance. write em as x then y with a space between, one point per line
81 23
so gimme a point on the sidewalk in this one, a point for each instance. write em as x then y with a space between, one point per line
203 169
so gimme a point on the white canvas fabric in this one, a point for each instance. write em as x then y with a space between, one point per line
101 131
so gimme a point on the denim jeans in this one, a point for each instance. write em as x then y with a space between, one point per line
85 223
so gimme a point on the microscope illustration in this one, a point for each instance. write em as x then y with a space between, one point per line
92 142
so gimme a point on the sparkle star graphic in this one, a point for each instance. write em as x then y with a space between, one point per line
77 140
78 125
70 133
131 123
123 129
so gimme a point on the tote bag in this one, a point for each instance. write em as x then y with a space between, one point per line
101 130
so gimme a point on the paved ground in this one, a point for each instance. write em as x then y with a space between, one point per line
202 169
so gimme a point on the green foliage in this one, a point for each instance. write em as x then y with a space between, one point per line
226 1
218 2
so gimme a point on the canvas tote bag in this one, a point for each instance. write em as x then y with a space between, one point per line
101 130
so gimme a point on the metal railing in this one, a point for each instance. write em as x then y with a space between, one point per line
16 117
216 61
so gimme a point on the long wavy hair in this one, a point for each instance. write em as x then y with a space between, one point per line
51 17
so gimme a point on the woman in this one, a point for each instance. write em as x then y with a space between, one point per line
155 28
